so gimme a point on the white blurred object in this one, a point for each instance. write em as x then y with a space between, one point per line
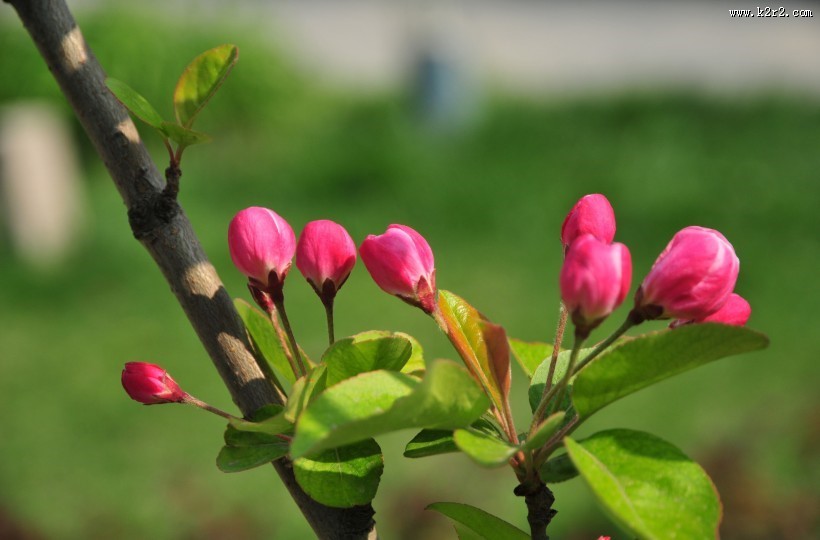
40 189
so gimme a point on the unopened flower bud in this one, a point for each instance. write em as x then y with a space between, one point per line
594 280
150 384
592 214
401 263
691 279
736 312
262 245
325 255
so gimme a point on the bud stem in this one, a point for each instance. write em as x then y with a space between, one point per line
280 309
560 388
329 312
556 346
191 400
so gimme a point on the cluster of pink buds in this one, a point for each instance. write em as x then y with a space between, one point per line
691 281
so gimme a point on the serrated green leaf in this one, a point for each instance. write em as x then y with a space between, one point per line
544 431
484 449
558 469
383 401
265 340
480 522
200 81
530 355
304 391
365 352
539 378
342 477
183 136
653 357
647 485
482 345
135 103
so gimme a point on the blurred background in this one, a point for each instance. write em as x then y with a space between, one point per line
479 123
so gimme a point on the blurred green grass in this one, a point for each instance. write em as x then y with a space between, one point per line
80 460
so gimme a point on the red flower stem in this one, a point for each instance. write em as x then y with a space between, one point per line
191 400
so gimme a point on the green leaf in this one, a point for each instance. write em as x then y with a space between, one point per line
304 391
484 449
271 426
183 136
365 352
558 469
544 431
265 340
539 378
342 477
481 344
415 364
431 442
200 81
647 485
135 103
653 357
530 355
245 450
383 401
480 522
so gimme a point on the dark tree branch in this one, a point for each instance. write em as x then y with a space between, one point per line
164 230
539 500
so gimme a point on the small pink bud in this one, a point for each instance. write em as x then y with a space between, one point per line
692 278
595 279
603 538
262 245
736 311
592 214
150 384
401 263
325 255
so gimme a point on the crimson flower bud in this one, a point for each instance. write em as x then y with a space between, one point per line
592 214
262 244
594 280
150 384
736 311
401 263
325 255
691 279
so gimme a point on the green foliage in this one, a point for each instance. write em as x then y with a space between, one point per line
247 447
647 485
530 355
265 339
200 81
558 469
539 378
135 103
484 449
486 525
656 356
368 351
431 442
342 477
382 401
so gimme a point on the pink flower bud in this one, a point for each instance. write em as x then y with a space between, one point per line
150 384
692 278
595 279
325 255
592 214
736 311
401 263
262 245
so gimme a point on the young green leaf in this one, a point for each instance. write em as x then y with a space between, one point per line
271 426
558 469
265 340
135 103
245 450
365 352
539 378
484 449
383 401
656 356
647 485
482 345
482 523
530 355
342 477
544 431
200 81
183 136
304 391
431 442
